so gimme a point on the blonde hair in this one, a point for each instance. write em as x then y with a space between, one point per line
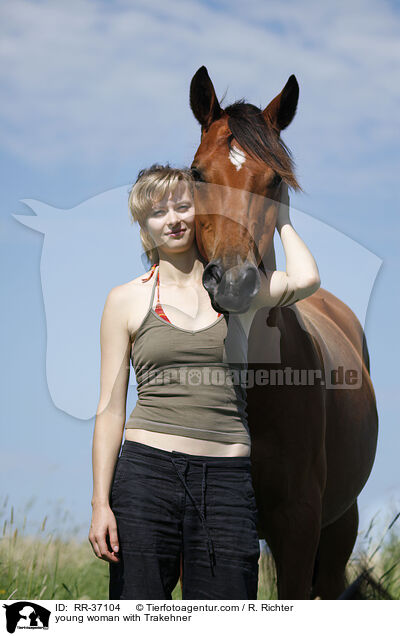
152 184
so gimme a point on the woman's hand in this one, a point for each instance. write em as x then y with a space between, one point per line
301 278
104 526
283 207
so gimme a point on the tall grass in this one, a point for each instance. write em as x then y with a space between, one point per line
45 566
382 561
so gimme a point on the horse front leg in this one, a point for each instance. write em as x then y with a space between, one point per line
335 547
292 532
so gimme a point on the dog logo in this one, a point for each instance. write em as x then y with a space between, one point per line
194 377
26 615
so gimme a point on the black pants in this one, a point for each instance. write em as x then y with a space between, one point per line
169 504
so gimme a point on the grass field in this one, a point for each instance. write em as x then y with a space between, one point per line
47 567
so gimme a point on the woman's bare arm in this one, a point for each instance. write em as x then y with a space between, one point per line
110 421
301 278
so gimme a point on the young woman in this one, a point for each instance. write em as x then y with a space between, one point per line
179 498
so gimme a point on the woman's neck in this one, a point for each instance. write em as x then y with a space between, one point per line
182 269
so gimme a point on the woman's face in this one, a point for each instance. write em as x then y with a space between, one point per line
171 223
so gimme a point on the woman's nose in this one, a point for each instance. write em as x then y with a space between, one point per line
173 216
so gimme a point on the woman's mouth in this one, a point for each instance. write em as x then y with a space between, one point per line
178 233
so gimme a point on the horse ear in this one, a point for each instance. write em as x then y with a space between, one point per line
282 109
203 100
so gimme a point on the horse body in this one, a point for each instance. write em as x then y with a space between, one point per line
351 414
312 447
317 333
313 440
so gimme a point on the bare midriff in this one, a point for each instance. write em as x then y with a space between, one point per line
182 444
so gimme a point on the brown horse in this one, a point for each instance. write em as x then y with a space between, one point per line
313 443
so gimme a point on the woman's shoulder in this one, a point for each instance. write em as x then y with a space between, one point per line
130 300
132 290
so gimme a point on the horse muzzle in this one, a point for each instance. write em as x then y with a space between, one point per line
231 290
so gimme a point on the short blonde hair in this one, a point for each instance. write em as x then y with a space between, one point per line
152 184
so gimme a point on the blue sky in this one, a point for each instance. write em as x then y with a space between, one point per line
94 91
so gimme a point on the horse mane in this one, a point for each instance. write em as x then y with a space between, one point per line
258 138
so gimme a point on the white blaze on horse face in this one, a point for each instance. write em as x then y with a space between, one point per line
237 157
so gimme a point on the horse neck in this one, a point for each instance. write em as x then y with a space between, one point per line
268 261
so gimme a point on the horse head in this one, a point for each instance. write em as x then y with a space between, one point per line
238 171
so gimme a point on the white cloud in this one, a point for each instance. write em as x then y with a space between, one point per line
83 80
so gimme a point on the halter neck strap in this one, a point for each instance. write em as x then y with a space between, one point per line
153 290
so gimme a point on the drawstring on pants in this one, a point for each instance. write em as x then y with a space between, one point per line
201 511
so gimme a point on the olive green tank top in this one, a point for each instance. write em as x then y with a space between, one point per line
191 383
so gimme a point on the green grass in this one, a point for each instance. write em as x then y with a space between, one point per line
46 567
383 559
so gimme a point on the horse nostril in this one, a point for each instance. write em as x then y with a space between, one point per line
251 280
212 276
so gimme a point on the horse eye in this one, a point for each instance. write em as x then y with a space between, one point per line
196 174
276 180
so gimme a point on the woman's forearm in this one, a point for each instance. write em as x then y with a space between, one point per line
107 439
300 263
